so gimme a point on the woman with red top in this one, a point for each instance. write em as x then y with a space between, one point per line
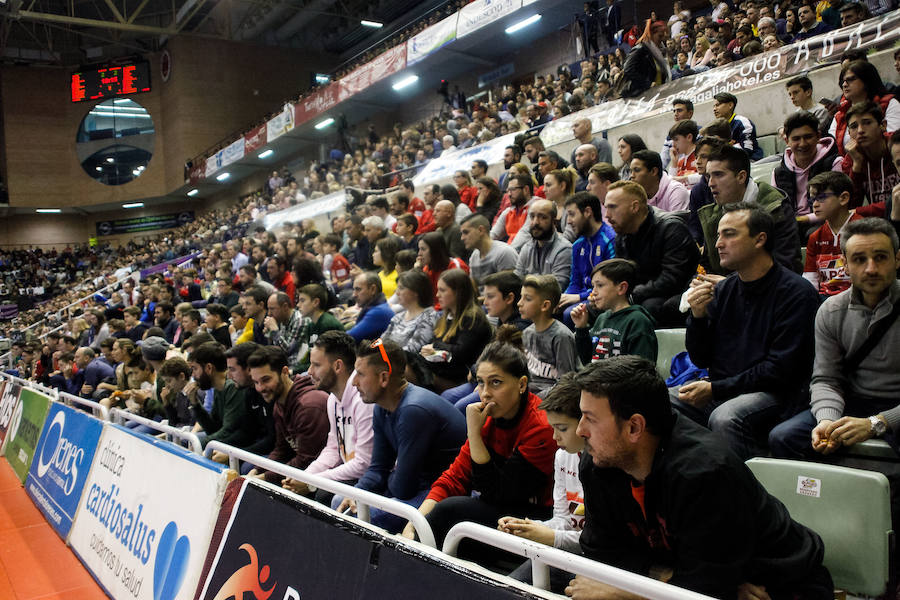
434 258
860 82
468 193
508 457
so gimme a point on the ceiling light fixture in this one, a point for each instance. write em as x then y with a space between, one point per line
193 192
372 24
324 123
405 82
51 211
223 176
523 23
133 205
266 153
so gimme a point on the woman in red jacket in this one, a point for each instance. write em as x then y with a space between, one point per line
508 457
860 82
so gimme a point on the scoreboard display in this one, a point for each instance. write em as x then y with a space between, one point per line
111 81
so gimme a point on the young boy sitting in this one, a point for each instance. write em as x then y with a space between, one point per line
622 327
564 529
549 345
340 267
217 316
311 301
830 194
683 166
501 299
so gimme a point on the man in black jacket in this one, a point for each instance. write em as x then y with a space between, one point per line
665 498
662 247
753 331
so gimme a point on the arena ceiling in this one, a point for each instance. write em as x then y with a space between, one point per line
75 32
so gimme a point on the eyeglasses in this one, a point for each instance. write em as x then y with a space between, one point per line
380 345
850 78
511 188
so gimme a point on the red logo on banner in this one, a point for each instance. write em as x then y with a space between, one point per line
249 578
256 138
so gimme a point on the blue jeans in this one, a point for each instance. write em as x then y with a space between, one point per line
387 521
793 438
744 421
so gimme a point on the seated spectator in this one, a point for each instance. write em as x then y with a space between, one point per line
373 230
595 243
434 258
311 301
512 218
661 246
683 153
663 192
407 229
743 131
486 255
563 529
501 293
489 197
413 326
621 327
384 257
809 25
92 371
549 345
460 209
447 228
547 252
805 157
248 276
585 157
582 130
460 333
415 206
228 421
559 185
825 267
854 383
467 192
280 276
307 270
658 465
380 208
728 173
416 432
599 178
340 268
800 91
134 328
259 417
190 324
286 328
299 410
375 313
176 374
348 449
753 331
861 83
254 301
217 317
241 328
868 159
163 314
627 145
646 66
507 458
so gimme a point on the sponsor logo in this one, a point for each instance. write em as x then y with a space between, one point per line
249 578
171 563
63 455
8 404
809 486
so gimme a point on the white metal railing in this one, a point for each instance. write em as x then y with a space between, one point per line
364 499
118 416
98 409
32 384
543 557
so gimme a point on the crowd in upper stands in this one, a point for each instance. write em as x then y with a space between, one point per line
459 347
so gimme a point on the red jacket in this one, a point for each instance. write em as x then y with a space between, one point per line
286 285
340 268
455 263
469 195
840 118
520 473
426 222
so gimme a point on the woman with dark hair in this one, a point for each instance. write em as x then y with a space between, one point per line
489 198
434 258
385 256
412 327
628 145
449 192
461 331
860 82
308 270
508 457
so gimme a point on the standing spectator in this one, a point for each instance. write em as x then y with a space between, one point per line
646 66
611 21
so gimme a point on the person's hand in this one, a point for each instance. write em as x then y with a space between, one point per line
849 430
852 148
673 155
166 394
355 270
219 457
696 393
298 487
580 315
345 504
830 106
820 440
567 299
528 529
191 390
270 324
582 588
87 390
700 294
748 591
256 474
427 350
409 531
476 415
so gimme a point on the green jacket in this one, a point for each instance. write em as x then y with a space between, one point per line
327 322
626 331
229 418
786 250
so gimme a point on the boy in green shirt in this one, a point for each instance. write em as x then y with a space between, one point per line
311 302
622 328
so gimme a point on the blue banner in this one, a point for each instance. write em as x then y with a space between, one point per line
61 464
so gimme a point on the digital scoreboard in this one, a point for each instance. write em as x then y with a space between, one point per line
111 81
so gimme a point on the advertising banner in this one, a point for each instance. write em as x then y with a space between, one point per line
317 103
9 399
280 123
477 14
8 311
233 152
430 39
277 547
769 67
448 162
146 515
198 171
385 64
61 464
25 430
255 139
153 223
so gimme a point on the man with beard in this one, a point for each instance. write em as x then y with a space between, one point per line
595 243
259 412
657 502
585 157
417 434
164 319
511 155
298 409
348 451
547 252
228 420
512 218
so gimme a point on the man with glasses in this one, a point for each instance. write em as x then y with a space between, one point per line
417 433
511 220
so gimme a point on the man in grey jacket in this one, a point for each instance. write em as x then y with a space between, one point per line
851 405
547 252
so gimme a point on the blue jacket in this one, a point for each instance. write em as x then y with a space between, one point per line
743 134
372 321
586 253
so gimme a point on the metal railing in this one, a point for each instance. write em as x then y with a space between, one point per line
97 409
364 499
119 416
31 384
543 557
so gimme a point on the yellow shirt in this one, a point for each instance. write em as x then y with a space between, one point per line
388 282
247 334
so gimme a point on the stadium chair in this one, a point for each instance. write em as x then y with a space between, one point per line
761 170
670 342
850 510
768 144
874 449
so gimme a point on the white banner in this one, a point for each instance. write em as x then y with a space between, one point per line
146 517
456 160
477 14
308 210
432 38
233 152
280 123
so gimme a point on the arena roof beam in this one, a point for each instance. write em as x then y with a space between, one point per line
28 15
115 11
475 59
137 11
